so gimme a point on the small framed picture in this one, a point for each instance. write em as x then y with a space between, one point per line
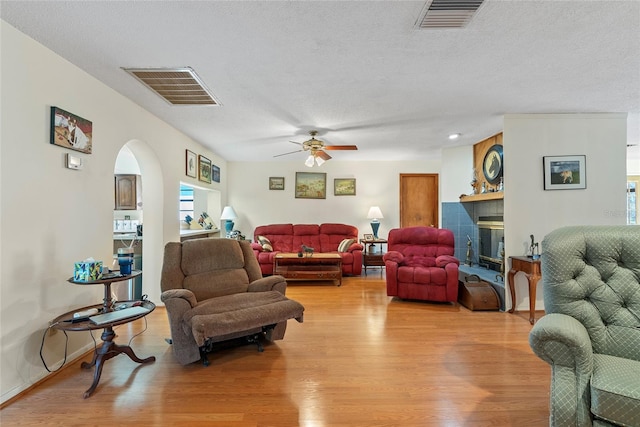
368 237
344 187
205 169
564 172
191 164
215 171
276 183
71 131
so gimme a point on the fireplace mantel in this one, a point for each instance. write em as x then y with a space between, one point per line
496 195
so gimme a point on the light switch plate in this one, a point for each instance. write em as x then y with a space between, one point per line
74 162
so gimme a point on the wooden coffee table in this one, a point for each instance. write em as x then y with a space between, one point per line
319 266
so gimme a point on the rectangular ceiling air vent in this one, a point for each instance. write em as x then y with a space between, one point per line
177 86
448 13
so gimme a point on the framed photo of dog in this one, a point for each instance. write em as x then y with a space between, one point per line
565 172
71 131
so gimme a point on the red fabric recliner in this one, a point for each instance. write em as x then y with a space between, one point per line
420 264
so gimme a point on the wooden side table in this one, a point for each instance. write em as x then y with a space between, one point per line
371 257
109 348
531 268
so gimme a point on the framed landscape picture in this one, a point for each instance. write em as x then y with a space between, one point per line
205 169
191 164
564 172
344 187
276 183
71 131
311 185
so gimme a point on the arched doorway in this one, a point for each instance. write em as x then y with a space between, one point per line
152 216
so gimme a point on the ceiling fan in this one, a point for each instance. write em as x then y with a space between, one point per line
316 149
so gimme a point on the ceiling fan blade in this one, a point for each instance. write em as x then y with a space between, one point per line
290 152
340 147
322 155
295 142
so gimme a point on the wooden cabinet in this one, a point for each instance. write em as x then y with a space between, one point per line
127 192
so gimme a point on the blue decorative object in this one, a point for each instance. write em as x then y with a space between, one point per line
373 215
228 215
375 225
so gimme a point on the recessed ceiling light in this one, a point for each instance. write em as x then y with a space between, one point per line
454 136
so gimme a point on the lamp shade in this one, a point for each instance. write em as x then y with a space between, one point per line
374 213
228 213
309 161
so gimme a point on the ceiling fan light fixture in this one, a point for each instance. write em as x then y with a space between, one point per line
319 160
309 161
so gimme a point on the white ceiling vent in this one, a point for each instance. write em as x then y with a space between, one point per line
448 13
177 86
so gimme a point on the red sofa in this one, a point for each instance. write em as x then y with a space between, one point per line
420 264
322 238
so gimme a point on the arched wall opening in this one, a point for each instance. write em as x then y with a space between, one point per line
153 216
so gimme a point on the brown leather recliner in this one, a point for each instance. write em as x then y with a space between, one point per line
214 291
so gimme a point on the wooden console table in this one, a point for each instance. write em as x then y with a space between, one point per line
531 268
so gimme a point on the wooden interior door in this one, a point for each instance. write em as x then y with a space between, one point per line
418 199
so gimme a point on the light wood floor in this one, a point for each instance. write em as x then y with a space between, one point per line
359 359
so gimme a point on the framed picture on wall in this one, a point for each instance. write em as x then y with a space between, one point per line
344 187
205 169
215 171
276 183
565 172
71 131
191 164
311 185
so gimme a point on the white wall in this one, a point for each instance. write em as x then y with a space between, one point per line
529 209
377 184
456 176
52 217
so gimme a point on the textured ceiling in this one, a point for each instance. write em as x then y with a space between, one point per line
358 71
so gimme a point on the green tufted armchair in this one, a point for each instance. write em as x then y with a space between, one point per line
591 333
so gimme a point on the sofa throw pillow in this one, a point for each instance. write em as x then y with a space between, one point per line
344 245
265 243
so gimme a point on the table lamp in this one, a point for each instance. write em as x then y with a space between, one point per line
228 215
373 215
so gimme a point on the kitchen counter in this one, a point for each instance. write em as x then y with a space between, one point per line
196 234
126 236
123 240
184 235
